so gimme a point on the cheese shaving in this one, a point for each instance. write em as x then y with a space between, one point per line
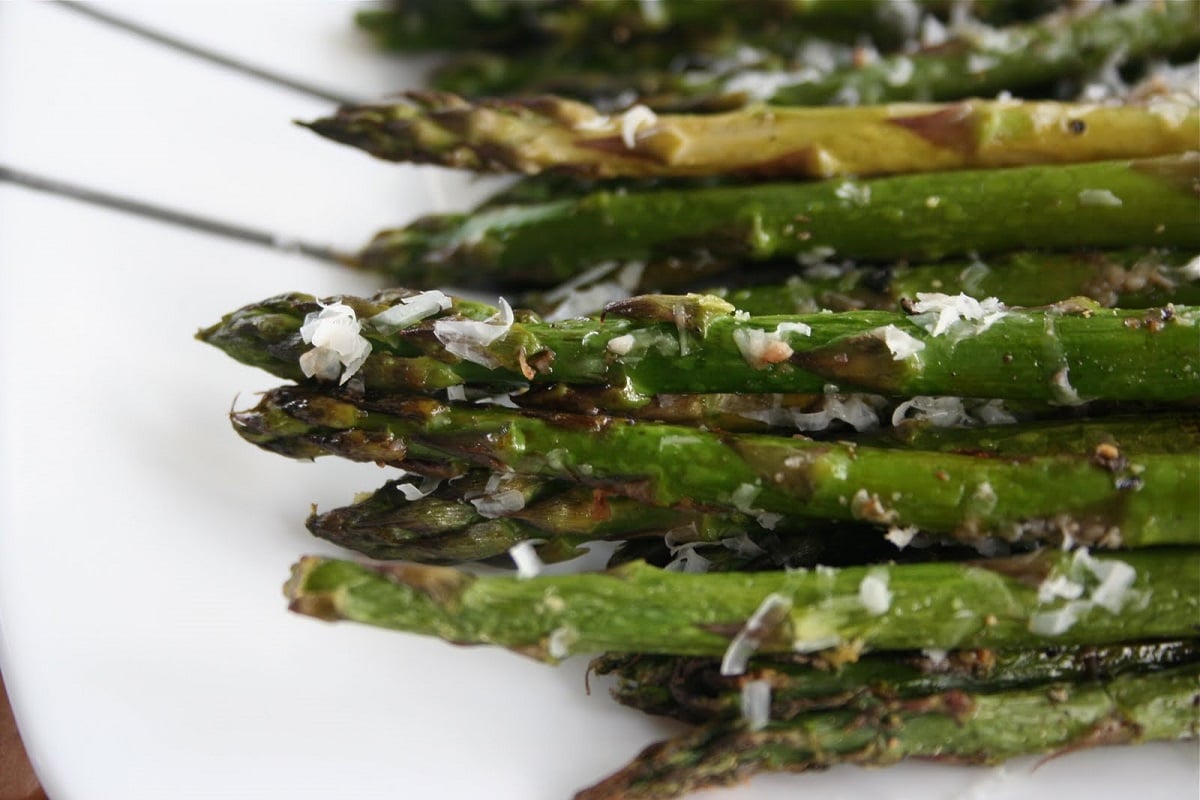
762 623
873 593
901 537
901 343
945 311
621 345
756 704
468 338
633 121
410 310
334 332
558 644
1088 583
525 557
1099 197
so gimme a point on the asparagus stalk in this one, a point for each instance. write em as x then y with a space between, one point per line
694 690
1131 278
1111 501
640 609
465 521
1109 204
417 25
951 726
482 515
662 344
549 133
980 62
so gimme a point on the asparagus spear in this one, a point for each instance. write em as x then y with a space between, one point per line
1135 502
694 690
977 63
432 24
640 609
482 515
1131 278
931 216
465 521
550 133
1066 354
951 726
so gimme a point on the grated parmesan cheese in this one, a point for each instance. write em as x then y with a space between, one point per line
900 71
1191 270
1089 583
766 618
873 592
756 704
412 493
686 559
621 345
855 194
901 537
632 121
525 557
901 343
1064 393
468 338
945 311
743 497
558 644
760 348
933 32
1099 197
410 310
334 333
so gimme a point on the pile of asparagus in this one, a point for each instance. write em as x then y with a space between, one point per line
891 409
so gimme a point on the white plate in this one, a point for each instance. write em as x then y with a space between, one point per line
145 641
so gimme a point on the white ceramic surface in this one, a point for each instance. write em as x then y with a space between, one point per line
143 636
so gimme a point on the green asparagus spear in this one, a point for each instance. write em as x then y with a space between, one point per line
550 133
1067 353
998 603
482 515
1132 278
694 690
1150 499
417 25
953 726
931 216
466 521
980 62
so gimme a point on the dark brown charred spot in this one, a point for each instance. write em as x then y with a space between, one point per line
1108 456
1029 569
806 161
691 312
320 606
786 469
862 361
952 127
542 361
615 146
379 447
1077 126
1156 319
600 509
953 703
443 585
